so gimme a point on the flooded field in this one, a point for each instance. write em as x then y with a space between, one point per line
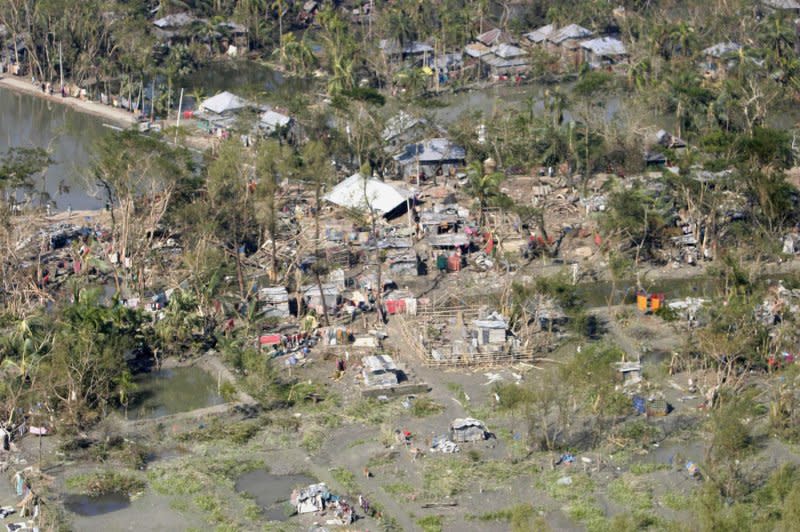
271 492
172 391
88 506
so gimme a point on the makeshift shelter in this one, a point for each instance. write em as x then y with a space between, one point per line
313 299
224 102
468 430
274 302
362 193
629 372
380 370
492 329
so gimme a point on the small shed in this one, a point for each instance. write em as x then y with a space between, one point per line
312 297
380 370
274 301
492 329
629 372
468 430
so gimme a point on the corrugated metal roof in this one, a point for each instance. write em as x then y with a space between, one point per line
573 31
433 150
605 46
540 34
722 48
365 193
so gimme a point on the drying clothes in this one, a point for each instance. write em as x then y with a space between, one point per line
5 511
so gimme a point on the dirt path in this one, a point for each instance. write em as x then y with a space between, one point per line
118 116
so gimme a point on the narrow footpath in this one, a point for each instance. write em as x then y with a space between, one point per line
112 114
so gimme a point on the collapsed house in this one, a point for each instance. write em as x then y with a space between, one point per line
468 430
380 371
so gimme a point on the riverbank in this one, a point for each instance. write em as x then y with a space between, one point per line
112 114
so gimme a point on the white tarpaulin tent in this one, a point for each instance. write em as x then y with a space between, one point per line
367 193
222 103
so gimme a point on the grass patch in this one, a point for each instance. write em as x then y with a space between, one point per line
677 501
345 478
581 487
239 432
104 482
184 481
646 468
451 476
588 513
425 406
399 489
431 523
520 517
231 468
631 494
371 411
313 439
381 460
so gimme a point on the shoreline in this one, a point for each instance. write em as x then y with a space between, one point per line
118 116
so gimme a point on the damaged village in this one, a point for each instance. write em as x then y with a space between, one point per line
448 265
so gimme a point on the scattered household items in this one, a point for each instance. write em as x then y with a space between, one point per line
317 498
468 430
651 407
566 459
441 444
649 303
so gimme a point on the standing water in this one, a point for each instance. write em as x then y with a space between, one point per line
31 122
172 391
272 492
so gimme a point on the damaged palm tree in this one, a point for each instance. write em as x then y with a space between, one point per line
138 177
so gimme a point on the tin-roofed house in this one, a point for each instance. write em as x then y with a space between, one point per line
429 158
402 129
538 37
566 42
719 59
604 52
505 60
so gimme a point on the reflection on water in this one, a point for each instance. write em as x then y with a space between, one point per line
29 122
171 391
90 506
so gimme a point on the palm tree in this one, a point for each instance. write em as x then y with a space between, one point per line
777 36
484 187
278 6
